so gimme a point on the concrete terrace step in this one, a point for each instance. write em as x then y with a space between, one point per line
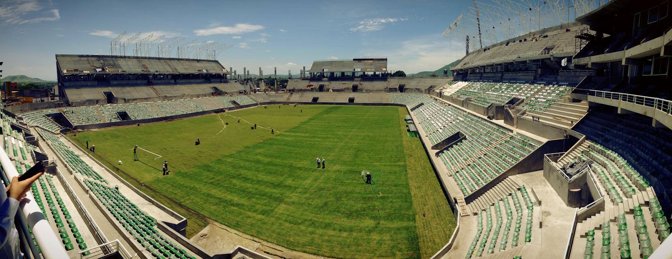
611 213
462 205
499 191
550 121
573 115
577 106
554 116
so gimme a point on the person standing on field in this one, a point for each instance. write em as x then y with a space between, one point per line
135 153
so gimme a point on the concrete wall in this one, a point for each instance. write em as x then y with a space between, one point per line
539 128
131 122
532 162
562 184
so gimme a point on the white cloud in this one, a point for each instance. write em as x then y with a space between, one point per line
104 33
243 45
333 58
26 12
426 53
283 30
239 28
375 24
291 64
237 37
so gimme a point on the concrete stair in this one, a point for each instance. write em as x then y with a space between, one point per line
463 207
499 191
611 213
561 114
574 154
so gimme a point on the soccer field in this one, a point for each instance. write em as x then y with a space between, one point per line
267 185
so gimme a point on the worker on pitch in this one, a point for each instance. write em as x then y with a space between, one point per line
165 168
135 153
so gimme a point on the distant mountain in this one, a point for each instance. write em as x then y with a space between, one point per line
438 72
22 79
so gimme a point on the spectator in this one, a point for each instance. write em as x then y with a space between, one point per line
9 200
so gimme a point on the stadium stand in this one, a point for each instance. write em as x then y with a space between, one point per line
98 79
92 115
542 50
422 85
632 208
515 210
137 223
632 137
484 153
537 97
64 220
618 205
627 30
369 69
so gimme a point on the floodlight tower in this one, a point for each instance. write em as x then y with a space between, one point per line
478 23
467 44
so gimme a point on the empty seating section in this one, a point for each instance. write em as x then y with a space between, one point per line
636 212
243 100
590 243
619 179
509 211
623 239
39 118
630 137
486 152
537 97
86 115
72 160
661 223
555 41
58 212
140 225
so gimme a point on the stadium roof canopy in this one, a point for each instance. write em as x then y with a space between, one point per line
552 42
615 14
369 65
104 64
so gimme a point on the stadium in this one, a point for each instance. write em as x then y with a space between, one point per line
553 143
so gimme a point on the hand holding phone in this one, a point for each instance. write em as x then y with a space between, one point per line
37 168
20 185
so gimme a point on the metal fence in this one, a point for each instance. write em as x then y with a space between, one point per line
660 104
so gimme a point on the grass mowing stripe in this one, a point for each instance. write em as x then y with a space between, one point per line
334 205
434 219
267 185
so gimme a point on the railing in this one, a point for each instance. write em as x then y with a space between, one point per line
570 238
49 243
660 104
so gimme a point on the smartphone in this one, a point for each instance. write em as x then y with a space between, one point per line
37 168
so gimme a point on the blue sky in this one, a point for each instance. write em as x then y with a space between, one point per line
285 34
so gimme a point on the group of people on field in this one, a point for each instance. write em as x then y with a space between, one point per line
320 162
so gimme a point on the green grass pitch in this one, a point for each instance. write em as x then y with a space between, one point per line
267 185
